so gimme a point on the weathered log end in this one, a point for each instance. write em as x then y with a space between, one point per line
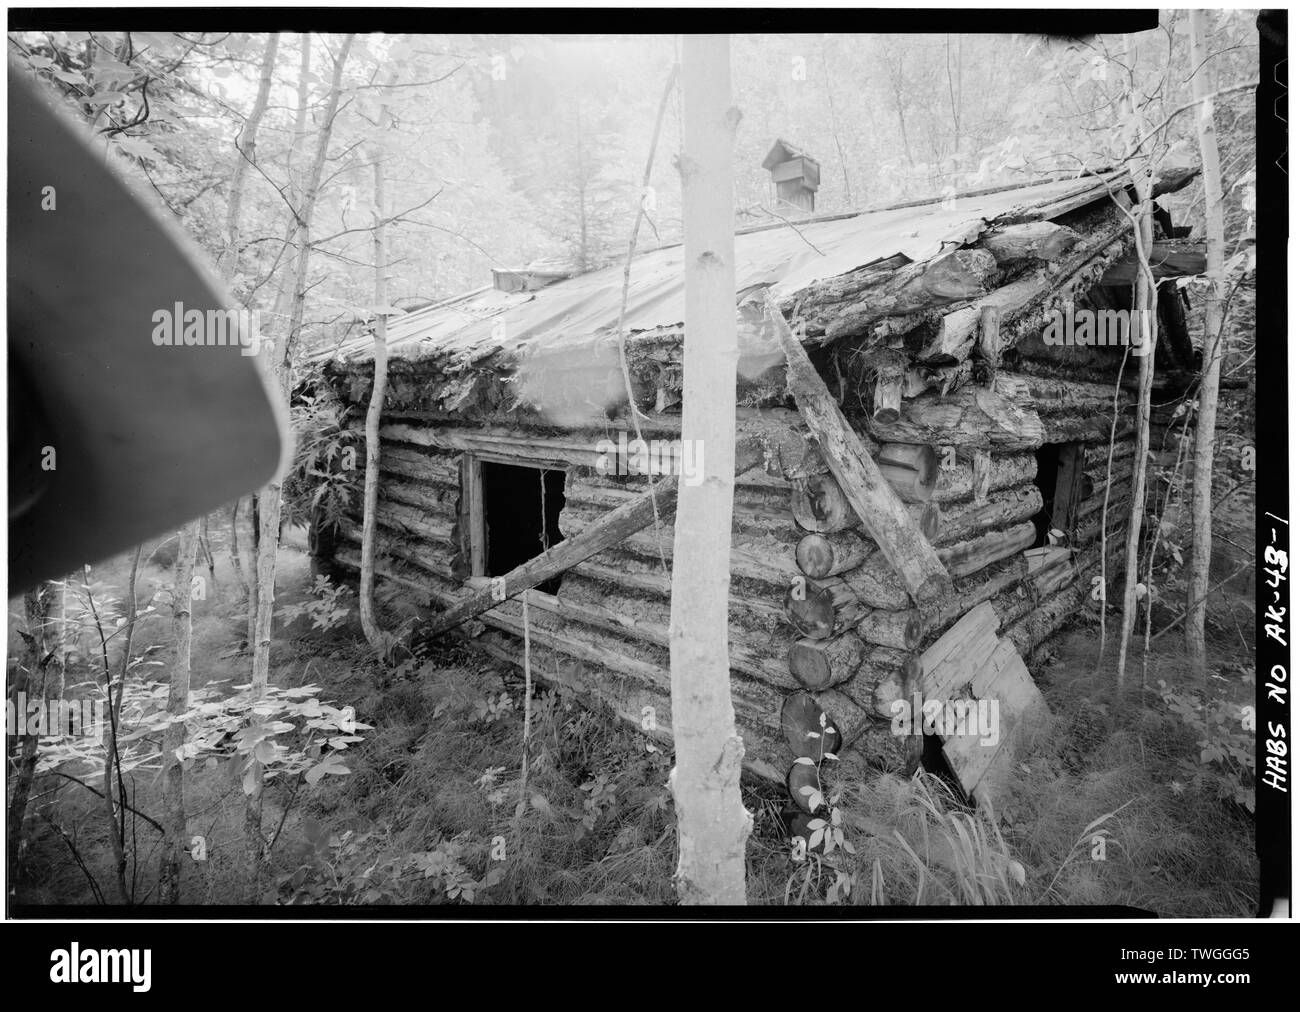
808 729
822 555
820 664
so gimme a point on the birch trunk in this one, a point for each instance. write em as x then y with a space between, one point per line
1144 300
374 635
182 627
1198 576
712 822
269 499
178 696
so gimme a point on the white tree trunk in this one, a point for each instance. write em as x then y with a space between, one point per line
369 625
1144 298
269 499
178 695
712 823
1198 575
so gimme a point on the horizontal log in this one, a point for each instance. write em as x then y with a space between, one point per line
434 500
398 547
951 277
584 488
405 569
1096 454
912 469
820 555
973 417
611 575
1169 258
1031 629
438 529
974 591
808 729
778 528
957 481
1085 428
955 334
920 378
901 630
648 621
820 611
1118 498
630 699
818 505
610 530
1002 509
970 556
441 469
822 664
1036 240
882 677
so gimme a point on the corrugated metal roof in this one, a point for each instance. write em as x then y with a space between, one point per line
484 321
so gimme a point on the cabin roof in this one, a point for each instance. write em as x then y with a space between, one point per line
788 258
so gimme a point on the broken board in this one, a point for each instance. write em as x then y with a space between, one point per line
984 766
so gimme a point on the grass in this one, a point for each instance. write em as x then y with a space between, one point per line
436 800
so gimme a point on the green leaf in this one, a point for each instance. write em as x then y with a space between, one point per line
330 764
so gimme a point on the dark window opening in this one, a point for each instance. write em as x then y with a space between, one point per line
521 516
1049 458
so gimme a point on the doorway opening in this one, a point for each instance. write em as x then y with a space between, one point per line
1060 480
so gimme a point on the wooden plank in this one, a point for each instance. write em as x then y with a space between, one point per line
877 505
985 769
954 658
472 531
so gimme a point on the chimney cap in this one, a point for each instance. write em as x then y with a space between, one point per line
784 151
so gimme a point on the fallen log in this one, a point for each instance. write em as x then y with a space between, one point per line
870 495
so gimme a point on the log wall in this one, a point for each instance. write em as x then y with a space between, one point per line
845 633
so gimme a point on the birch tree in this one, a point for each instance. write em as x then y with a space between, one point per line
369 625
178 693
1198 576
712 823
1144 305
182 617
269 500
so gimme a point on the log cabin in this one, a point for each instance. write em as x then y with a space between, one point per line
934 441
